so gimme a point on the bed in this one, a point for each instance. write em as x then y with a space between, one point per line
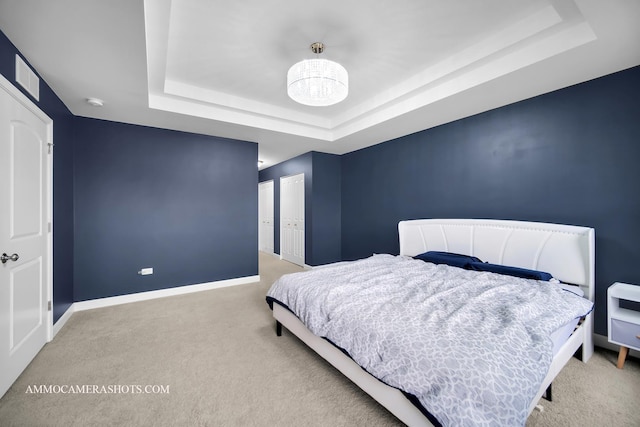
565 251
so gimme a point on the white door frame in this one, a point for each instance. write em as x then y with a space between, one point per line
27 103
281 231
260 216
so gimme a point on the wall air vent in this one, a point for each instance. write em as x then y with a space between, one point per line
27 78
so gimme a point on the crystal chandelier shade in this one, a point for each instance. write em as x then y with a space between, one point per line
317 82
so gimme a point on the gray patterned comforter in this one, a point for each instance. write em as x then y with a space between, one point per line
473 347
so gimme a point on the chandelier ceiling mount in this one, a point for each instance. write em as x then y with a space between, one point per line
317 82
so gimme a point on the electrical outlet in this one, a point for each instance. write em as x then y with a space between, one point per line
146 271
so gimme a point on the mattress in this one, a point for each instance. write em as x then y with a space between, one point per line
562 334
327 299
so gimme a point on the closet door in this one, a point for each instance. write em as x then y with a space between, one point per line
25 133
265 216
292 219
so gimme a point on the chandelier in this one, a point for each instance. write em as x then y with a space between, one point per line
317 82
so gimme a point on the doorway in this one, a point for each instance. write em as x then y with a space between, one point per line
292 226
26 138
265 217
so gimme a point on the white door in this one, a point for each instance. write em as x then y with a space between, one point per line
24 210
292 218
265 216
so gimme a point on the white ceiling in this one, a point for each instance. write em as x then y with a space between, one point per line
219 67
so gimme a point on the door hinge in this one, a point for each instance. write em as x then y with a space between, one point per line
50 147
48 305
49 227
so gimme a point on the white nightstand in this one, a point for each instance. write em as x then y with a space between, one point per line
623 324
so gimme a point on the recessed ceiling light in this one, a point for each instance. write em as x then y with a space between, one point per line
95 102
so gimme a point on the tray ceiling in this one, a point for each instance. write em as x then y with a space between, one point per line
219 67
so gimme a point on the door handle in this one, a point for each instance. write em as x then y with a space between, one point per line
4 258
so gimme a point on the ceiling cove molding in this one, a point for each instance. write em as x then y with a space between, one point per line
221 99
538 36
476 74
224 114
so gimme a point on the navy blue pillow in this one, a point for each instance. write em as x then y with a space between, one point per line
448 258
511 271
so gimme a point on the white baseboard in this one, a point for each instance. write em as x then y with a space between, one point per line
161 293
62 320
143 296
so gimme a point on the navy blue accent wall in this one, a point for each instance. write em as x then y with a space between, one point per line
184 204
326 208
570 156
322 203
62 178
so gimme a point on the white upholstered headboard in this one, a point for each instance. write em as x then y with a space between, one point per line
565 251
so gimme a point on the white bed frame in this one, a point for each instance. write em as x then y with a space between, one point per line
565 251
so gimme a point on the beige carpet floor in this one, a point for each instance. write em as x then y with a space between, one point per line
218 354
